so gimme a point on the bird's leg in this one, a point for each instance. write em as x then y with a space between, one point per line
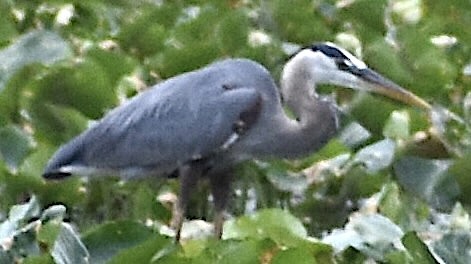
189 175
220 188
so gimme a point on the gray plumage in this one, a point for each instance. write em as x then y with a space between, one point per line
186 118
176 121
203 122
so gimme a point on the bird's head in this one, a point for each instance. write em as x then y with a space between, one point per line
327 63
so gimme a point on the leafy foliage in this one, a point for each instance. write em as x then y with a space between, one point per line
392 187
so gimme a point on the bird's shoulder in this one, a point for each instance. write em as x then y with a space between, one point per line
192 115
185 117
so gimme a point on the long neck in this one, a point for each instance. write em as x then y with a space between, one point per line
298 90
314 122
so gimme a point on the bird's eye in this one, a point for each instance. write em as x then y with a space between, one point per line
343 64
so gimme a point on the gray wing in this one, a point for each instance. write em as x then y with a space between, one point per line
184 118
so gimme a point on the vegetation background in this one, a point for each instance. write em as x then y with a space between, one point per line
392 187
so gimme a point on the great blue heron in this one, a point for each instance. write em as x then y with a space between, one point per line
203 122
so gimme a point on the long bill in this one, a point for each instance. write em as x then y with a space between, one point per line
381 85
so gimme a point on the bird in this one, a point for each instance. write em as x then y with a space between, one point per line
202 123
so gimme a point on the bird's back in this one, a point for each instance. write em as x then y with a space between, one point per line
186 117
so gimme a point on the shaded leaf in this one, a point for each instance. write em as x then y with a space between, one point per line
367 17
428 179
351 256
294 183
377 156
402 208
53 212
460 169
25 211
40 46
68 247
7 25
289 21
15 145
17 237
418 251
354 134
105 241
298 255
372 234
5 257
454 248
57 122
115 64
144 252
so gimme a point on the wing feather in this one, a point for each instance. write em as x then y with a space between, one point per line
192 115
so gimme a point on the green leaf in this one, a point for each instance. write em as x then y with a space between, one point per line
305 253
300 255
76 86
146 33
402 208
144 207
61 99
7 25
43 259
294 183
276 224
398 257
56 123
367 17
372 234
15 145
460 170
428 179
397 125
290 21
48 234
233 31
174 61
5 257
417 250
430 66
233 251
144 252
115 64
365 104
351 256
243 252
118 236
331 151
39 46
384 58
12 95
